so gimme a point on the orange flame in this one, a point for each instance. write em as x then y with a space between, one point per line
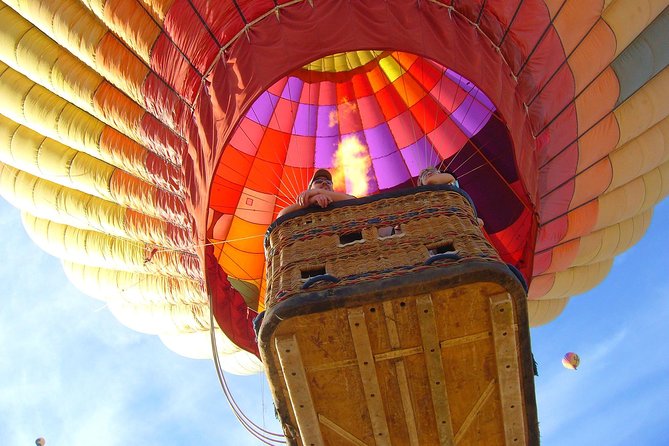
351 167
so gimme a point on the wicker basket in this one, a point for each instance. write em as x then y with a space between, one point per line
371 239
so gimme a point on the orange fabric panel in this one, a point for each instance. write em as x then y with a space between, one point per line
575 20
582 220
129 19
563 257
593 55
115 58
116 106
592 183
247 237
241 265
598 142
597 100
377 79
256 207
540 286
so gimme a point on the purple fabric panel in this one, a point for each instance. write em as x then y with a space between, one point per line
323 123
419 155
305 120
262 109
471 116
390 171
380 141
293 89
326 146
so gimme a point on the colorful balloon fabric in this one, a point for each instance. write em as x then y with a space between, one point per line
571 361
149 143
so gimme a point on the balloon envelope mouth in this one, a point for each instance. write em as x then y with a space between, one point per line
375 119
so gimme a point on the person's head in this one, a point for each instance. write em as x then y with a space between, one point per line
429 171
322 179
425 174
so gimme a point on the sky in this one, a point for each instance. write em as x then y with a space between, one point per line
70 373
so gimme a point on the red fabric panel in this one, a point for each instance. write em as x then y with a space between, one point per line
172 66
189 33
221 17
161 140
161 101
524 31
230 310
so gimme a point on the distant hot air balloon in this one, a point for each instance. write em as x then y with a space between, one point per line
571 361
40 441
150 144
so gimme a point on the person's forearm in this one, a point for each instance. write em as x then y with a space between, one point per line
290 208
440 178
336 196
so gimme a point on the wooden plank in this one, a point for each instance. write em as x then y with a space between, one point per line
435 368
340 431
370 382
295 377
402 380
385 356
471 416
465 339
508 371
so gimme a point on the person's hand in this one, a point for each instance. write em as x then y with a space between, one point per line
321 200
304 199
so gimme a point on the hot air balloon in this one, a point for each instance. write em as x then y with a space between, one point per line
571 361
149 144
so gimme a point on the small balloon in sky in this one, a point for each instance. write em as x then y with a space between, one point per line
571 361
40 441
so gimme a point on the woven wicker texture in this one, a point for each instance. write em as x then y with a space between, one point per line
374 240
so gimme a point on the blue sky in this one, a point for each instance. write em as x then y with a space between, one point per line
72 374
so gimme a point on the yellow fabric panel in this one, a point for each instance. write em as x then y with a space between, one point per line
130 294
577 280
610 241
34 106
633 198
628 18
66 21
591 183
541 312
598 142
31 152
158 8
111 285
197 345
101 250
84 42
29 51
27 150
645 108
130 21
641 154
161 318
391 68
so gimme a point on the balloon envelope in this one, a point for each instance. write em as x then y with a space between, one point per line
128 152
571 361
